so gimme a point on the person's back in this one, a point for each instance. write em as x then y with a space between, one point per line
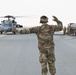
45 36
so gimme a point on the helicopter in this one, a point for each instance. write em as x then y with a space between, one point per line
9 25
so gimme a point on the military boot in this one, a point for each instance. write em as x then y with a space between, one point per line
44 73
52 74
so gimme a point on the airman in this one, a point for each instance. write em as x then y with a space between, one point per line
46 44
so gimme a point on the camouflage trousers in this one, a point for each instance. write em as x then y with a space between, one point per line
47 57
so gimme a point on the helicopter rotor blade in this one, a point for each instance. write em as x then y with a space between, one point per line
30 16
9 16
1 16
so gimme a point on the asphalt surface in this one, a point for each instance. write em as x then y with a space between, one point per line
19 55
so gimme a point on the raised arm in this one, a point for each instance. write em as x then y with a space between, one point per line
59 25
28 30
23 31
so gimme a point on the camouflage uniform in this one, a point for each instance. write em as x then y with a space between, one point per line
64 30
46 44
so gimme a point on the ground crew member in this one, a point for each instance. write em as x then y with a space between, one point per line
45 42
68 30
64 30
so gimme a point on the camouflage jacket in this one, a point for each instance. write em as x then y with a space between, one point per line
45 34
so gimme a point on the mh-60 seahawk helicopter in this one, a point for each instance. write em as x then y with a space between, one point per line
9 25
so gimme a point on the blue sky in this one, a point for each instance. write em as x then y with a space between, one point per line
63 9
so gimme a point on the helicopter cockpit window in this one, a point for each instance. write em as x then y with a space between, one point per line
7 23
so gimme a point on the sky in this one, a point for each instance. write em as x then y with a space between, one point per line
64 10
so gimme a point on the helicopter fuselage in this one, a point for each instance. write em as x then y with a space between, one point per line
7 26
